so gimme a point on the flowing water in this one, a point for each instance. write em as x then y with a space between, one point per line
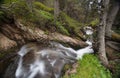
48 62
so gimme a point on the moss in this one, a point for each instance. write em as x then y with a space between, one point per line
70 24
45 14
94 22
20 9
8 2
1 13
61 28
41 6
46 32
90 67
43 17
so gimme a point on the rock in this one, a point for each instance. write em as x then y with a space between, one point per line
21 34
6 43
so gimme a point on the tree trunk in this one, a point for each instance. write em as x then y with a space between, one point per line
101 33
56 9
111 17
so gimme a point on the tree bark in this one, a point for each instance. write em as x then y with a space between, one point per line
111 17
101 33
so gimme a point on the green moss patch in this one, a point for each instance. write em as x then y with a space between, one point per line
94 22
61 28
71 25
43 17
90 67
8 2
41 6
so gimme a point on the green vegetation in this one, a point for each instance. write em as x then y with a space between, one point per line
90 67
61 28
71 25
43 17
20 9
41 6
46 14
117 70
8 1
94 22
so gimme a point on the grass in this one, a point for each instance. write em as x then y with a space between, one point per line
90 67
8 2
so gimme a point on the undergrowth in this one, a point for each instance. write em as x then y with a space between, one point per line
43 17
90 67
41 6
70 24
94 23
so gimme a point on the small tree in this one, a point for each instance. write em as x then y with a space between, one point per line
101 32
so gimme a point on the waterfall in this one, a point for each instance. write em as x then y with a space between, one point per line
48 62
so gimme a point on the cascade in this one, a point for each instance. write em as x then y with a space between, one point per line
48 62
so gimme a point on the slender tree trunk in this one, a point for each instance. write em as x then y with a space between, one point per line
111 17
101 33
56 9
